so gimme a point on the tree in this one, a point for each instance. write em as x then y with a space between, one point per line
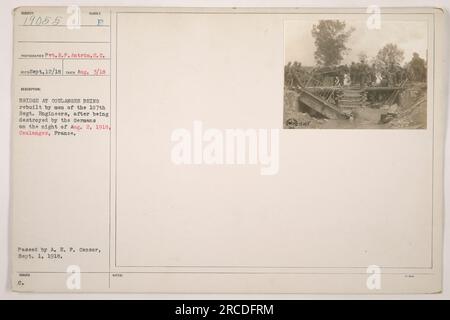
362 56
417 68
330 39
390 56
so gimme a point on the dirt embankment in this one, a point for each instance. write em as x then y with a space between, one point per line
412 113
409 113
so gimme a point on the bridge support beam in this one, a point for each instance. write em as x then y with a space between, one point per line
320 106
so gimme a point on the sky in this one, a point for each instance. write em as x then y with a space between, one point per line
410 36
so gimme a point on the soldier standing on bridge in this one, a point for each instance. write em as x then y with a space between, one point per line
337 82
346 80
353 72
362 68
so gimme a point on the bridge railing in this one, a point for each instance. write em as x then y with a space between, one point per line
319 89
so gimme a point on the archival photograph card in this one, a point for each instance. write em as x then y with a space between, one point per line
212 150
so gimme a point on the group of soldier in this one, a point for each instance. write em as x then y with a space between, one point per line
356 74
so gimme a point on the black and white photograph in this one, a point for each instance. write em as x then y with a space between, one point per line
347 74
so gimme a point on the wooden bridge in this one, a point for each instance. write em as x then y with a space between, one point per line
337 102
320 105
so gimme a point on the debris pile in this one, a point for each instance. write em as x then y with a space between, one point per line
413 117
